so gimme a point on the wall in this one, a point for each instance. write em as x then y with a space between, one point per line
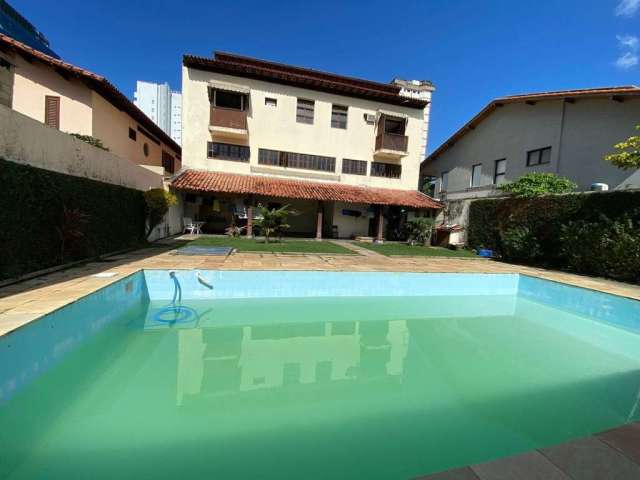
349 226
6 80
33 81
277 129
27 141
591 128
112 127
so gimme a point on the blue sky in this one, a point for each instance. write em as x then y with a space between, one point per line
473 51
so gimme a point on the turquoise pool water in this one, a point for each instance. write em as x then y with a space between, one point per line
324 380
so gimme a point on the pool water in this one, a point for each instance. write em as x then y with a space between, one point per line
376 387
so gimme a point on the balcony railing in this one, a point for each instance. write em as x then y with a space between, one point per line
392 141
228 118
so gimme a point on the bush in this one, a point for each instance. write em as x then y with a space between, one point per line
420 229
590 233
99 218
535 184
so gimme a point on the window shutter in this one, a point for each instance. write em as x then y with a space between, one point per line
52 111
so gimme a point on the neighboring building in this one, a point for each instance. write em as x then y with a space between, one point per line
344 153
162 105
566 133
75 100
19 28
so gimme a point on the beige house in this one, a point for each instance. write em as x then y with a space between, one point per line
566 133
74 100
344 153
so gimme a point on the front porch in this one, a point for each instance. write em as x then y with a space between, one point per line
317 210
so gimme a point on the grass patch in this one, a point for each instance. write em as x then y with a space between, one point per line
415 251
258 245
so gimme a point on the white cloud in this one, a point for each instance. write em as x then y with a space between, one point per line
627 8
630 42
627 61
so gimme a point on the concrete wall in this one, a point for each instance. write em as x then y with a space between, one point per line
27 141
277 129
6 80
112 127
34 81
590 129
349 226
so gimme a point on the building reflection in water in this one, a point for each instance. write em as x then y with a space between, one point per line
225 360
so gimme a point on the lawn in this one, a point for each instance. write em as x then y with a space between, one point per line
415 251
258 245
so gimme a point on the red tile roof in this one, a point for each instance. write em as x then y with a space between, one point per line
613 92
217 182
95 82
247 67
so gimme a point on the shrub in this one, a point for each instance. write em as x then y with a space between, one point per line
420 229
158 201
536 184
590 233
32 215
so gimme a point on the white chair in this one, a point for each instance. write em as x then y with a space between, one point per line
189 226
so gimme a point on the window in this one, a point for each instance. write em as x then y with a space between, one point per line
339 116
476 175
145 149
228 151
388 170
444 181
500 171
132 134
225 99
393 125
168 162
354 167
296 160
52 111
540 156
271 102
304 112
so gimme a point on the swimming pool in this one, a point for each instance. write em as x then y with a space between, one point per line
312 375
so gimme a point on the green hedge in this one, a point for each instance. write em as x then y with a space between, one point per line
590 233
33 202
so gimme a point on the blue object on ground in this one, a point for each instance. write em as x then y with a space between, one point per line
485 253
210 251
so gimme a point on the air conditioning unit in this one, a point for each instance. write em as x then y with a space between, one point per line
369 118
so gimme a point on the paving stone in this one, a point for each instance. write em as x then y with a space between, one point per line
527 466
590 459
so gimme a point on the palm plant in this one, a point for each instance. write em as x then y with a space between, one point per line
272 221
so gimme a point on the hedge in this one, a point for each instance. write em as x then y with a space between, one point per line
33 202
590 233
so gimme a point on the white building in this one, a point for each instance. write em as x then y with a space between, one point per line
162 105
344 153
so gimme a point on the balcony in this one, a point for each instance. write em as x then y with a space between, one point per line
391 145
228 122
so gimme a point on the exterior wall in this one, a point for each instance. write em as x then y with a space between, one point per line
34 81
579 135
349 226
176 117
6 80
277 129
112 127
27 141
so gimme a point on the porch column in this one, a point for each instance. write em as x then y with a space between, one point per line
250 220
380 225
319 222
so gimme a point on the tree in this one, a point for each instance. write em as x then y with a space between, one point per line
627 154
158 201
536 184
272 221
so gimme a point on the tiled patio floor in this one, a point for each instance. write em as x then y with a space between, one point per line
23 302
